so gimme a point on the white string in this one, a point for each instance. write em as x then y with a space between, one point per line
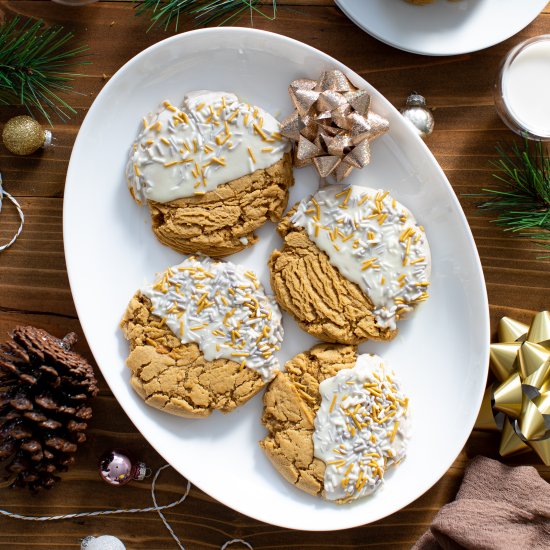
19 211
159 511
155 508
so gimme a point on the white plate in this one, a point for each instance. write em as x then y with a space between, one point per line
441 354
442 28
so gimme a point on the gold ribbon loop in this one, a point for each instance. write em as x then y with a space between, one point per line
521 363
332 124
510 330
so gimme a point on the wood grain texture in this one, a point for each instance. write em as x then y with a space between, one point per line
34 286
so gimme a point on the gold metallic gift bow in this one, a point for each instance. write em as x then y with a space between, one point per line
518 405
332 124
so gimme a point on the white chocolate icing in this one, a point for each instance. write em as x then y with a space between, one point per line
374 241
223 308
211 140
361 428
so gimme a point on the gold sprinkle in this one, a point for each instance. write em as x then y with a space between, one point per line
363 199
220 161
199 327
200 106
259 131
251 154
405 234
394 431
368 263
267 149
333 402
240 354
233 116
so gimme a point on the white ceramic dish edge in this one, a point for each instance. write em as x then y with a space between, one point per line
484 323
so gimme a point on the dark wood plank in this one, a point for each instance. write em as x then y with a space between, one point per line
34 286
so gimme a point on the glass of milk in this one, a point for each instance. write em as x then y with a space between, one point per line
522 90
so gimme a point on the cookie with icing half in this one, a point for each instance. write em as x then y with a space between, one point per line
354 262
202 337
212 171
337 422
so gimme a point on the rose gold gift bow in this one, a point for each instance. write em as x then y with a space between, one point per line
332 125
518 405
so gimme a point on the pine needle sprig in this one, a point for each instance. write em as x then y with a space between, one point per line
204 12
521 201
33 66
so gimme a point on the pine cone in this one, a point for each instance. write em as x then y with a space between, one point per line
44 393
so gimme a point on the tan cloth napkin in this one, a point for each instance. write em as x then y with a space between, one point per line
497 508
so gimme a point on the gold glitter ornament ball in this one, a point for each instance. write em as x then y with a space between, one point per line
22 135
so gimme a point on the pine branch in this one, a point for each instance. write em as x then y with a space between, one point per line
33 62
204 12
521 200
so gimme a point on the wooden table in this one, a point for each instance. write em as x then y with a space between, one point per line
34 288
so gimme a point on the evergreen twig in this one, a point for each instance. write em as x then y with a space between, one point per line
521 200
204 12
33 61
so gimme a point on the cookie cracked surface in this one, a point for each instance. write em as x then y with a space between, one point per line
223 221
323 302
291 402
175 377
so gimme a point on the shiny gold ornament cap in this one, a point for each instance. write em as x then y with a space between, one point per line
22 135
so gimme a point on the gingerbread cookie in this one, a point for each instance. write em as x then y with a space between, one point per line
211 172
336 421
354 262
202 338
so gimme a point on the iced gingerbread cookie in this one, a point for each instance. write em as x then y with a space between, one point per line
354 262
202 338
211 171
336 421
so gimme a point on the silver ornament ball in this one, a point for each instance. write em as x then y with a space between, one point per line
105 542
419 115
